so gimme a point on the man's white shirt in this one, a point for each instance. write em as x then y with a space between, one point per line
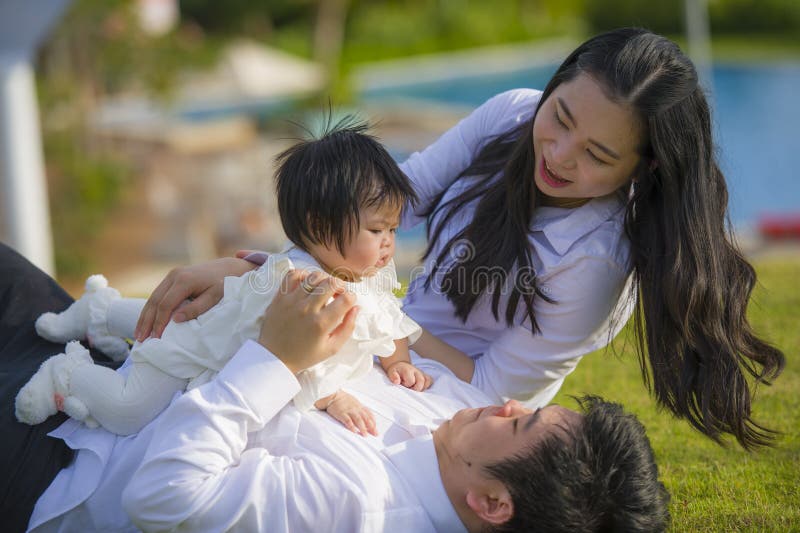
236 455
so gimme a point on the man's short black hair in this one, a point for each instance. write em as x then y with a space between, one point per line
322 183
602 477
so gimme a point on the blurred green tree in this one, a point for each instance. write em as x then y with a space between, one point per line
97 49
756 16
664 16
726 16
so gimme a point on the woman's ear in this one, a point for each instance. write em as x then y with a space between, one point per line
492 505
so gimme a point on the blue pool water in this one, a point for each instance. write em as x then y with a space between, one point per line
756 118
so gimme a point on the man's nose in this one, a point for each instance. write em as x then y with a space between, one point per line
514 404
509 408
513 407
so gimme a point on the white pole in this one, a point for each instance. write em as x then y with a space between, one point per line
698 32
26 213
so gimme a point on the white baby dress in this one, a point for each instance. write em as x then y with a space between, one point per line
198 349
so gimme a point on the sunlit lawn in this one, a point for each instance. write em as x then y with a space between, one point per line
713 488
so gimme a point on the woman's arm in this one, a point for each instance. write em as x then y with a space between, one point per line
591 308
186 293
436 167
459 363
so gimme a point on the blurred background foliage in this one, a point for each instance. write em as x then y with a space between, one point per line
741 17
98 49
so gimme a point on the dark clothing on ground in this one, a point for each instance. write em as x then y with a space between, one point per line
29 460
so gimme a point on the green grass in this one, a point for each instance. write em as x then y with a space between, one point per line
715 488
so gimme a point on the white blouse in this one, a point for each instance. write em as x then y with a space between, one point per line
580 257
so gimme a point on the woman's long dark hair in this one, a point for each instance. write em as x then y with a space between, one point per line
692 284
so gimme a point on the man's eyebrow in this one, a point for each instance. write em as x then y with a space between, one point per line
532 419
605 149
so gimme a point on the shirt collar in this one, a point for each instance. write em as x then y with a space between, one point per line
563 230
416 461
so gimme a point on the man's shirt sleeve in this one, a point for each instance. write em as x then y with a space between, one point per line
197 473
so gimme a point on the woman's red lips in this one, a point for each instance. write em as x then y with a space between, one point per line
551 178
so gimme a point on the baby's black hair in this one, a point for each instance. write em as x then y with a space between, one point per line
323 182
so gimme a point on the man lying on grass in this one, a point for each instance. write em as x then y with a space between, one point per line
235 454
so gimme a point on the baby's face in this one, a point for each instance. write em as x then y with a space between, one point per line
368 250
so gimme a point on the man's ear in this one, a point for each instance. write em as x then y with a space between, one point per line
492 504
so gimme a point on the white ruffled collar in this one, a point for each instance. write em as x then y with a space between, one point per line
380 319
385 280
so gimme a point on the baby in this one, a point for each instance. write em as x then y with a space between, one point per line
339 199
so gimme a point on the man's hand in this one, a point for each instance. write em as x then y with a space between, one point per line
405 374
299 328
186 293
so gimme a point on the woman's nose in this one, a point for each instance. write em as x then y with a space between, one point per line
562 155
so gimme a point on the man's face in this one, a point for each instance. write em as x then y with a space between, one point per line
478 437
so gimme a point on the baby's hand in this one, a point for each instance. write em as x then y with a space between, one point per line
405 374
350 412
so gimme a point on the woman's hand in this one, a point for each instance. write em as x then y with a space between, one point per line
241 254
186 293
300 327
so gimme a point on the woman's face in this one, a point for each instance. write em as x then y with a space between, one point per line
586 146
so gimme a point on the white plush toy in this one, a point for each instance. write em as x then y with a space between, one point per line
48 390
86 318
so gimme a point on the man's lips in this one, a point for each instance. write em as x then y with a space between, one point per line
550 177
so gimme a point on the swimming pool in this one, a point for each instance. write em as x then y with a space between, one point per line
756 119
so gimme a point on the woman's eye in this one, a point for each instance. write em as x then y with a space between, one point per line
595 158
393 230
558 119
